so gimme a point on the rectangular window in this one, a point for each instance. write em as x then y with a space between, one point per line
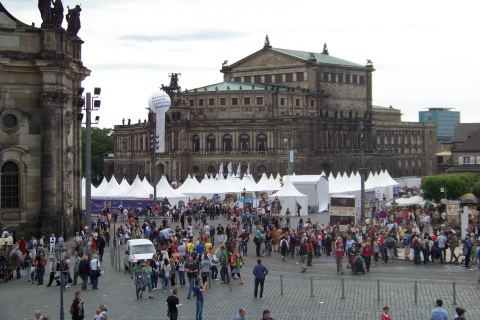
200 102
259 101
289 77
362 79
211 102
282 101
325 76
237 79
246 101
234 101
258 79
347 78
278 78
312 103
340 78
355 79
223 101
268 78
247 79
478 160
192 102
297 102
300 76
333 77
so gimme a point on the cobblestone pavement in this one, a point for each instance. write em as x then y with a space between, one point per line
360 295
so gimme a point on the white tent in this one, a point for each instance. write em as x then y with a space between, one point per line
315 187
138 190
289 196
274 183
112 188
100 190
405 202
190 187
164 190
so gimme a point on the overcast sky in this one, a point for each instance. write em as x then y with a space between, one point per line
426 53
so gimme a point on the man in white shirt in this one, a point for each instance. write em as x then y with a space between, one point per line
442 245
51 243
94 271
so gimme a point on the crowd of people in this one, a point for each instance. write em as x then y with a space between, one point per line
195 248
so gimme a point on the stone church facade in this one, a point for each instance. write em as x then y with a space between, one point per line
40 75
273 101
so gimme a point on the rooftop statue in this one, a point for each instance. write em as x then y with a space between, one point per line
73 20
51 13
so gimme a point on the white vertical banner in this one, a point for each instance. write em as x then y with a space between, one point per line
159 103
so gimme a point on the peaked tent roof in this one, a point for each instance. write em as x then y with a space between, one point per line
288 190
165 190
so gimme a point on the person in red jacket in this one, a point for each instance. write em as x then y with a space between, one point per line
367 252
22 246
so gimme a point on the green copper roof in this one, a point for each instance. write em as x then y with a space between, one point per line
237 86
319 57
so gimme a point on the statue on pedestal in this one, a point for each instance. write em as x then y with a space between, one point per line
73 20
52 16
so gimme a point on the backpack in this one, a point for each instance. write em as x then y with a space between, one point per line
390 243
416 243
161 272
72 309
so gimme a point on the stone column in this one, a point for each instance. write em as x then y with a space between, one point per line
50 102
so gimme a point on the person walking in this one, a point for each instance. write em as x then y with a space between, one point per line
173 303
198 291
339 256
241 314
302 254
439 313
266 315
224 275
192 272
140 278
386 314
76 309
460 313
260 272
94 271
76 264
84 271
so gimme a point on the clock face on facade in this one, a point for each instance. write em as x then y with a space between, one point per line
9 121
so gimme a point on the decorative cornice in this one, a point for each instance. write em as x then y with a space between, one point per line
53 98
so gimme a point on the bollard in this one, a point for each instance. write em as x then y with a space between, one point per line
343 288
454 294
416 292
311 287
281 284
378 290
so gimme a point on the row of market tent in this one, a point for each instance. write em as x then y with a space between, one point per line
295 191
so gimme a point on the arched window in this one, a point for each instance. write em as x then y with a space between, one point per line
195 169
244 142
227 142
10 186
261 142
195 143
211 142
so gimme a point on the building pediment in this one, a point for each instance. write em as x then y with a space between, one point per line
265 59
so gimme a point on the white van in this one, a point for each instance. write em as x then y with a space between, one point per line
138 249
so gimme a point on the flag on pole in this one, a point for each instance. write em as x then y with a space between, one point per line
239 169
230 169
220 170
248 170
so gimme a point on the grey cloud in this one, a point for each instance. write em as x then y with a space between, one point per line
143 66
197 35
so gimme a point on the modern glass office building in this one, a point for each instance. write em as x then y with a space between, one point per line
444 118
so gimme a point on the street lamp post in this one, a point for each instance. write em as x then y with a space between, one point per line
60 252
91 103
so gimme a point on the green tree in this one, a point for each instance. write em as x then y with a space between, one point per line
456 184
102 143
